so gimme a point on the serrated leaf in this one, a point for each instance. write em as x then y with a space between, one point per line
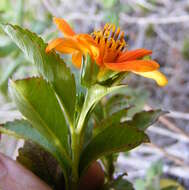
42 164
112 120
49 65
144 119
23 129
37 101
111 140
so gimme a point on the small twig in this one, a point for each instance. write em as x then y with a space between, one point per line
178 115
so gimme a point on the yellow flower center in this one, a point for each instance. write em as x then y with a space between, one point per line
111 42
110 37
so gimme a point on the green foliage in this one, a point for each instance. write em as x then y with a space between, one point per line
89 72
144 119
112 139
122 184
50 66
112 120
23 129
46 115
37 101
93 96
119 184
129 97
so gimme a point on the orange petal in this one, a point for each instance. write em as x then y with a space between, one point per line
63 45
63 26
53 44
134 54
155 75
88 45
135 66
77 59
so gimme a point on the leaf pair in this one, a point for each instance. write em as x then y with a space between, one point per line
48 102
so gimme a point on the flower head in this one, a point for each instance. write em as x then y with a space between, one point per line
108 48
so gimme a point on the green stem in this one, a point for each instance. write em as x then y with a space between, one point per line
111 168
75 159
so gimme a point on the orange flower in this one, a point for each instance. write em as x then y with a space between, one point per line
108 48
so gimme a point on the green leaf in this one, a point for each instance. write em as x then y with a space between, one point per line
37 101
111 140
42 164
94 95
112 120
122 184
134 97
23 129
89 72
49 65
144 119
106 74
110 78
116 103
119 184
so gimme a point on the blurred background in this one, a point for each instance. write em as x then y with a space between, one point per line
159 25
